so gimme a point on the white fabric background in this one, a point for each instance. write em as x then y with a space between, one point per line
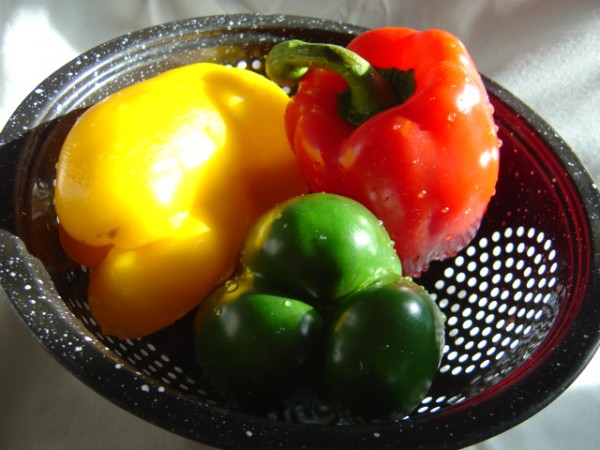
545 52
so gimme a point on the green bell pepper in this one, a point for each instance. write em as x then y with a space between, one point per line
383 349
320 302
318 248
255 347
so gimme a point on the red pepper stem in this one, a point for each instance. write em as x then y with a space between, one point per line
369 93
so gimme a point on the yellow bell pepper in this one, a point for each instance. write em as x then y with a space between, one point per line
158 184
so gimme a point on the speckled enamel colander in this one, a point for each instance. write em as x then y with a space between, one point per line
523 318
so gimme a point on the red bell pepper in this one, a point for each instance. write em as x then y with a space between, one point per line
399 120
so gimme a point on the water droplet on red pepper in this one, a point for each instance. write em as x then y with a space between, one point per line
231 285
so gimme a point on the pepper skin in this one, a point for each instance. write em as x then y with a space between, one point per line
317 248
319 303
164 178
383 350
426 163
255 347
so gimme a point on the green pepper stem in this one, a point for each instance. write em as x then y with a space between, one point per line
368 92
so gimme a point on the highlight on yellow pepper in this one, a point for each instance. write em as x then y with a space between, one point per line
158 184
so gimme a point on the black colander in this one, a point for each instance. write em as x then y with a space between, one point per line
521 303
